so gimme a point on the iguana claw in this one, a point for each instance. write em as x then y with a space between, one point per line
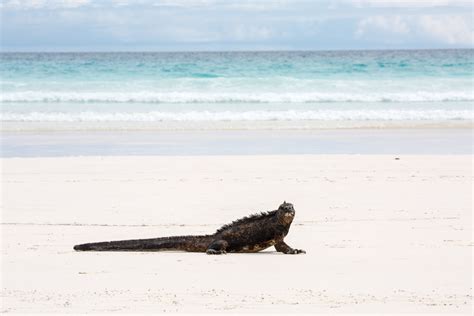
295 251
215 252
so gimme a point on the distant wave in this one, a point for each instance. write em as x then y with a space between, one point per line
289 115
241 97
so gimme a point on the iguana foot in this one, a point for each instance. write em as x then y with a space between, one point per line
294 252
215 252
282 247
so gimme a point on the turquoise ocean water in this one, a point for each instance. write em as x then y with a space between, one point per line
252 87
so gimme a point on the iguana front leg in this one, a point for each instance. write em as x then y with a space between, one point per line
282 247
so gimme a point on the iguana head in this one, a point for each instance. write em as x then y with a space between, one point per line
286 212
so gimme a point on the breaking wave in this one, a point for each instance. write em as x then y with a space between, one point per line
288 115
241 97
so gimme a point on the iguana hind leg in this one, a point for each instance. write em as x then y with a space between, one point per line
217 247
282 247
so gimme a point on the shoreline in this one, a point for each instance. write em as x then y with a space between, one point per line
217 126
456 141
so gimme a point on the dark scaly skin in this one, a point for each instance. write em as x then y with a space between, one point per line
249 234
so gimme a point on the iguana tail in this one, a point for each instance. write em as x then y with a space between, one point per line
184 243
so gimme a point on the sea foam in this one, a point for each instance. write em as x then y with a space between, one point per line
288 115
224 97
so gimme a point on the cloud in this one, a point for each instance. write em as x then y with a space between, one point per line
409 3
234 24
251 33
387 24
249 5
68 4
44 4
180 3
451 29
253 5
448 29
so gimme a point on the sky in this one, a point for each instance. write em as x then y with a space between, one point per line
216 25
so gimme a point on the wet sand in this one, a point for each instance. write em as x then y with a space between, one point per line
417 141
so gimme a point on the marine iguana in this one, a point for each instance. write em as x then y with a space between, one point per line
248 234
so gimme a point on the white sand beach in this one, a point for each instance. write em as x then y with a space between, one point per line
382 234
